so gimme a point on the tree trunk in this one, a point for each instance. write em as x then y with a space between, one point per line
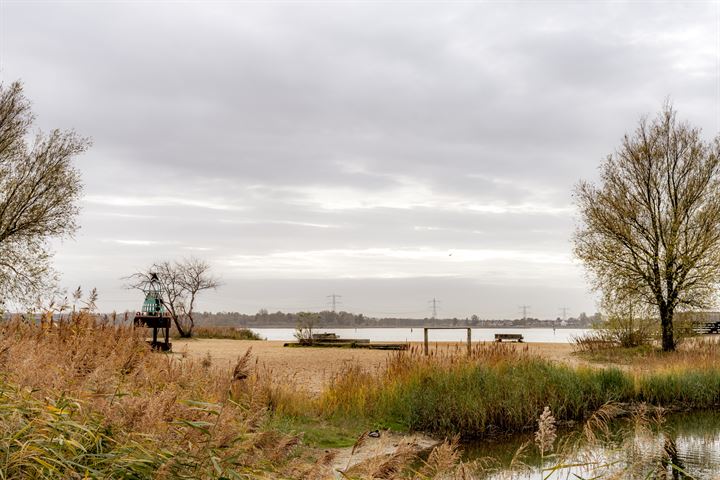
184 330
666 322
181 331
190 325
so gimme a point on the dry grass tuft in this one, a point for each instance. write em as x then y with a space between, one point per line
599 421
443 459
391 465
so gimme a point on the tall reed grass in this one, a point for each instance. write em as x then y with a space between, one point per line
501 389
88 399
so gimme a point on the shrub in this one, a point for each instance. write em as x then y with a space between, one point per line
232 333
304 329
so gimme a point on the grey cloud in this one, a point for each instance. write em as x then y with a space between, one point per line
229 129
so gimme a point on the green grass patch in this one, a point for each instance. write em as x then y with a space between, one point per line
479 400
319 432
619 355
682 388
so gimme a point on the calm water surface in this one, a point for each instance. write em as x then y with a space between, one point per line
560 335
685 446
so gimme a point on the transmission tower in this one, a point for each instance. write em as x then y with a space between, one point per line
434 302
524 309
564 311
333 300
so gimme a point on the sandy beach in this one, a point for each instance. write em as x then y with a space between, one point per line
312 368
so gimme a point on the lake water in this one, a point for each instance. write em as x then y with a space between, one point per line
415 334
684 446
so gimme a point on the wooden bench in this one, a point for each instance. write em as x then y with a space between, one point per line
707 328
499 337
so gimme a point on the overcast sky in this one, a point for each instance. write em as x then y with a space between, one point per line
389 153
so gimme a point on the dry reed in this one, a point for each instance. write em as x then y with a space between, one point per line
179 418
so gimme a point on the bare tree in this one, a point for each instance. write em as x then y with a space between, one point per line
651 230
39 189
180 283
304 329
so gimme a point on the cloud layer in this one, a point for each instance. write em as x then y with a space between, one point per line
387 153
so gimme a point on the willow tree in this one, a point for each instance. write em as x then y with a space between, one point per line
39 191
650 229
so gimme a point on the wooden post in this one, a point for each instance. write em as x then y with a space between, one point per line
427 348
469 340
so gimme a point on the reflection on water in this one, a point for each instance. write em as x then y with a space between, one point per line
683 446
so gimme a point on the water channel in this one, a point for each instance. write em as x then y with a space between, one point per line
680 446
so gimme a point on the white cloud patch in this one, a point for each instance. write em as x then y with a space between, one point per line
400 263
140 243
157 201
277 222
415 195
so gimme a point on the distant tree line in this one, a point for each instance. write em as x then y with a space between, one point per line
329 319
